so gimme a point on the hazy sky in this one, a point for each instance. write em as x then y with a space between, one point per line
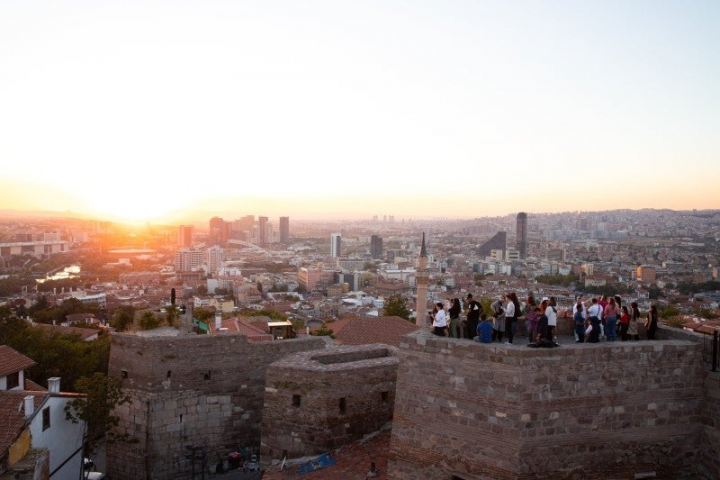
405 108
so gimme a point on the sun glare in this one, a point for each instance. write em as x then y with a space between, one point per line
133 209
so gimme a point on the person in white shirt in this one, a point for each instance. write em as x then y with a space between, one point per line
439 320
551 314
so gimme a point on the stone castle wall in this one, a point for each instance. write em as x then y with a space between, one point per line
609 410
318 401
204 390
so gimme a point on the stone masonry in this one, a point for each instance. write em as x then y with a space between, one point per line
319 401
204 390
465 410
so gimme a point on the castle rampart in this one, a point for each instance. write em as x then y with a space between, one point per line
204 390
609 410
318 401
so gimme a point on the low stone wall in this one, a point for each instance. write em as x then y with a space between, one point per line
318 401
588 411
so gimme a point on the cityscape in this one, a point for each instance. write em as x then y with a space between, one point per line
274 280
349 240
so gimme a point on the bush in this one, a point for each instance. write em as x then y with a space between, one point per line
675 322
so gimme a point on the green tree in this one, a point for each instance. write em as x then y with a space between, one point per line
102 395
395 306
172 296
203 314
478 278
124 316
148 321
670 311
172 316
323 331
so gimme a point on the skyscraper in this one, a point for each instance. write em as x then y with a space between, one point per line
262 230
376 246
521 234
335 239
185 236
284 229
219 231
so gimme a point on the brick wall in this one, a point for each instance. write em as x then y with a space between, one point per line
607 410
190 389
318 401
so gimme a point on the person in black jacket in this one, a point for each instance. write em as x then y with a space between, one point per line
473 316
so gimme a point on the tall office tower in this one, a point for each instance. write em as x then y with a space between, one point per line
422 279
335 239
185 236
376 246
284 229
262 230
219 230
521 234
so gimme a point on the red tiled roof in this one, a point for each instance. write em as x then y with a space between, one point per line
368 330
244 327
84 333
12 361
12 415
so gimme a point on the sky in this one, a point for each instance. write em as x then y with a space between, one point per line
142 110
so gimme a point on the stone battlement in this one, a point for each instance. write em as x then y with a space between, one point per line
612 409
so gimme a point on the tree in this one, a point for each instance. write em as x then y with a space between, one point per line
395 306
123 317
102 395
172 316
203 314
172 296
148 321
323 331
478 278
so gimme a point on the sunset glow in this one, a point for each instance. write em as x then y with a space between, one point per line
145 110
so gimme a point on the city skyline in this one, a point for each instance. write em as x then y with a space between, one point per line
150 112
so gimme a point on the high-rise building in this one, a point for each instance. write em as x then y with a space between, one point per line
284 229
376 246
187 259
219 231
335 239
215 256
185 236
262 230
521 234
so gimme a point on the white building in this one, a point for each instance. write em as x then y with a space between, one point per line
335 239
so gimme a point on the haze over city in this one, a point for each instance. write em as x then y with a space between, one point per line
152 110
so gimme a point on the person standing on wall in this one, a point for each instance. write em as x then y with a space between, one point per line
454 312
473 316
652 322
512 312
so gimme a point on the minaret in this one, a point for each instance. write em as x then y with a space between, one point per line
422 283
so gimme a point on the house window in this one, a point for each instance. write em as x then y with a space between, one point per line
208 375
296 401
13 380
46 418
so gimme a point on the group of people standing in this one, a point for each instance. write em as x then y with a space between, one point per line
603 318
446 320
606 316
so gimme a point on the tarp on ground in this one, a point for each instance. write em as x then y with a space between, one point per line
324 460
